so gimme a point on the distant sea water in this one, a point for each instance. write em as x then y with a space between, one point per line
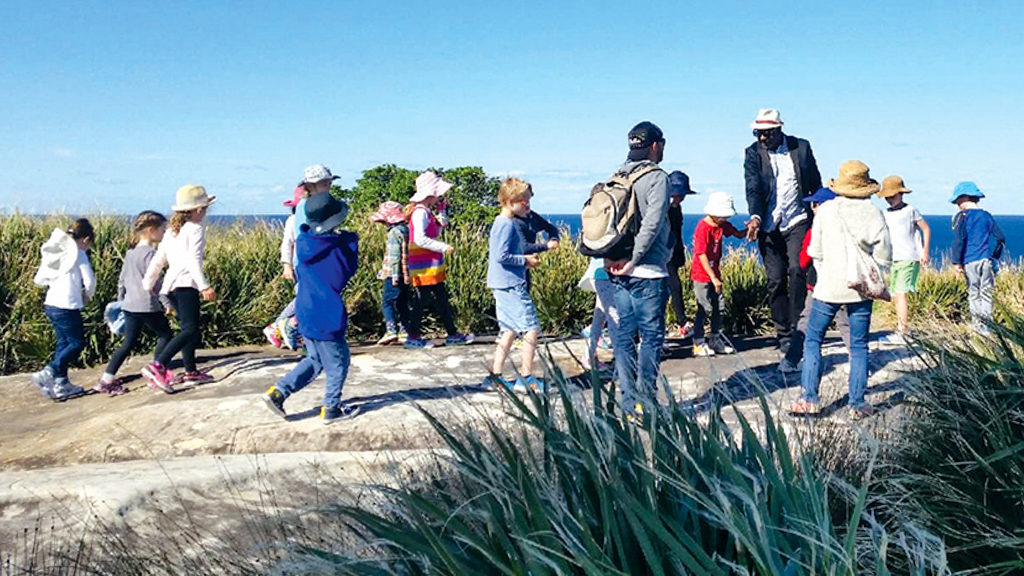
941 225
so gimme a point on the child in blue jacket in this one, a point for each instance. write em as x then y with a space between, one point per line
977 245
327 258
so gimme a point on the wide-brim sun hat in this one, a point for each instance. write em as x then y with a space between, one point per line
389 212
190 197
854 180
720 205
297 195
325 213
893 185
767 119
967 188
317 173
821 196
429 184
679 184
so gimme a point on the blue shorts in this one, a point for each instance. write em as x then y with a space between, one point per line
515 310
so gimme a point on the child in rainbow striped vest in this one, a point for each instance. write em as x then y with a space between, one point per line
427 271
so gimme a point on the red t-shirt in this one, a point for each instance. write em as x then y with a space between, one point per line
707 239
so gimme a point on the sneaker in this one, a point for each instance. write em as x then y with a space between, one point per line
686 330
893 339
403 336
531 382
459 339
390 337
418 343
804 407
194 377
787 367
720 345
862 411
329 415
113 388
636 415
63 389
274 399
495 382
44 380
270 332
159 378
702 349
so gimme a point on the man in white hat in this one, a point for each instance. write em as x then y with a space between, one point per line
780 171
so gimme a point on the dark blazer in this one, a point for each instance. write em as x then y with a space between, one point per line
758 173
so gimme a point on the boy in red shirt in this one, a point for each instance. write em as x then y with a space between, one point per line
704 271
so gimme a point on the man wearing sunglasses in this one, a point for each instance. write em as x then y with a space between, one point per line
780 171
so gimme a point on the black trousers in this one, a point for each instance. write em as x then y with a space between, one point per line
438 294
134 322
186 306
787 283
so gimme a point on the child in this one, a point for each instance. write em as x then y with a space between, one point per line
529 225
595 279
182 253
141 307
426 262
678 188
506 277
394 272
65 269
707 282
283 331
904 222
327 260
977 245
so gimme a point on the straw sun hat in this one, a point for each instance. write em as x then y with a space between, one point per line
891 186
853 180
191 197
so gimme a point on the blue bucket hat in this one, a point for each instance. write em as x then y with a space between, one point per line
821 196
679 184
965 189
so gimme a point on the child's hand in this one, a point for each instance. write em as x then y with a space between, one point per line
209 295
717 284
450 250
959 269
924 259
168 311
289 272
618 267
552 244
532 261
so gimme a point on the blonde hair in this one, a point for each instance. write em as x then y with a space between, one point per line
513 190
145 220
179 218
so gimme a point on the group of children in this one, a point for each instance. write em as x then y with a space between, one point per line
321 258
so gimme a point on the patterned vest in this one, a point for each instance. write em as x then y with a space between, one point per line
426 267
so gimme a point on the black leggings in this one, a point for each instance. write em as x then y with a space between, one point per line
186 306
134 322
438 294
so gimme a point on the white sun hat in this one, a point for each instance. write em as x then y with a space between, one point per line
720 205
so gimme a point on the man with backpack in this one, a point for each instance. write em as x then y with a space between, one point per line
639 274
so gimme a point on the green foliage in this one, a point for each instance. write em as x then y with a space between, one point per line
575 490
386 182
473 197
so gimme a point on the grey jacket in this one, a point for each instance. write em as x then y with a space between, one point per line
652 243
133 297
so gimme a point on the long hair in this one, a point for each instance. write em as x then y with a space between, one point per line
145 220
81 228
179 218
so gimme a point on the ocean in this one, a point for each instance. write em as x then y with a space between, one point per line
942 232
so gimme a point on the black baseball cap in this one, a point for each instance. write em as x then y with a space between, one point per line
641 137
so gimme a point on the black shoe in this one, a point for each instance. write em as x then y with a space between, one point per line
329 415
275 401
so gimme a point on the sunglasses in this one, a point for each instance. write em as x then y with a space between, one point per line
765 133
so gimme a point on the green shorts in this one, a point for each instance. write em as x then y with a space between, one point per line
903 277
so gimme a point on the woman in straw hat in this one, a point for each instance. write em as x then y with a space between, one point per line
850 214
182 253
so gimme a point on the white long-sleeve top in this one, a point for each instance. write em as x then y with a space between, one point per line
75 287
865 224
288 241
182 254
419 232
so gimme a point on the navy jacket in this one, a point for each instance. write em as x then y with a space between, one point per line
758 173
976 236
530 225
326 262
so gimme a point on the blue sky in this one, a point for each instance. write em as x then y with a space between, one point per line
110 106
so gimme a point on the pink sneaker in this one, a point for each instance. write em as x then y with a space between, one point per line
159 378
195 377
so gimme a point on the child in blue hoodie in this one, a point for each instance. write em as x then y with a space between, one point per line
977 245
327 258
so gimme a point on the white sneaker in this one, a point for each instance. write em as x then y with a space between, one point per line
721 346
893 339
702 349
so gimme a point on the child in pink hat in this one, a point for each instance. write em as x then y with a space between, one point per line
283 331
394 272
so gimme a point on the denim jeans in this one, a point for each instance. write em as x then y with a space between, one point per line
981 279
640 303
395 305
67 326
329 356
859 314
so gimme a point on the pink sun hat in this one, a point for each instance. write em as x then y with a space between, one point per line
429 184
297 195
389 212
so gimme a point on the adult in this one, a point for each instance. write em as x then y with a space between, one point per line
640 282
780 171
850 216
678 189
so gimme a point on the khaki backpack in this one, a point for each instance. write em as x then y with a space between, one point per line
611 218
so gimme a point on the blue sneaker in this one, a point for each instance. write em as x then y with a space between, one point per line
458 339
530 382
418 344
494 382
329 415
